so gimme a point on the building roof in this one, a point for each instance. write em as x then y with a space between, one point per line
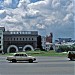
21 33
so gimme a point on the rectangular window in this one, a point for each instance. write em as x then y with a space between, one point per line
26 38
32 38
29 32
0 37
11 32
29 38
17 38
22 32
20 38
23 38
17 33
0 46
14 38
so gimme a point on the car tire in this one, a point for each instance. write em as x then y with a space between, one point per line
71 58
30 61
13 60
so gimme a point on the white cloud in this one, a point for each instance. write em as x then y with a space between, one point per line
2 13
7 3
53 15
68 17
56 3
23 3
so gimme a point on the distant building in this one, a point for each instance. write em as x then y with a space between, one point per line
2 29
60 40
49 38
1 41
63 42
18 41
49 46
43 41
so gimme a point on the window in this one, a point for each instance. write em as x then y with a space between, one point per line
16 32
29 32
20 38
0 37
22 32
17 38
29 38
26 38
21 55
0 46
25 32
11 32
23 38
14 38
17 55
32 38
25 55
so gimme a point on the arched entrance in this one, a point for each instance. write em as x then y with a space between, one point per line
12 49
28 47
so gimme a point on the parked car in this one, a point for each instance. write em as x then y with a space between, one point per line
71 55
21 57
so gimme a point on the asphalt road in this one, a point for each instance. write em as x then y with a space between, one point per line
43 66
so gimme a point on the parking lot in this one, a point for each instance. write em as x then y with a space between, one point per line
43 66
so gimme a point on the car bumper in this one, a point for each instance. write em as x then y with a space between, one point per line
34 59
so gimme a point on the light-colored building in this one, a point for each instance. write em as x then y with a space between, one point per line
43 40
49 46
1 41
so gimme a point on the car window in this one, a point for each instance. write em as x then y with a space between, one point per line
25 55
17 55
21 54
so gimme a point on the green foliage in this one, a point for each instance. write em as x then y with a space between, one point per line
65 48
73 48
40 53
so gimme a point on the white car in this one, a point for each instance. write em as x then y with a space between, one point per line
21 57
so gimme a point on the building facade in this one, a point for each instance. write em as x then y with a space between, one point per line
1 41
18 41
49 38
2 29
43 41
63 40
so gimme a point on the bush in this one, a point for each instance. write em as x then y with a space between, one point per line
65 48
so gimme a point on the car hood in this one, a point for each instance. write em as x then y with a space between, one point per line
31 56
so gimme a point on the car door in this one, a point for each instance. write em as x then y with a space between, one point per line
24 57
17 57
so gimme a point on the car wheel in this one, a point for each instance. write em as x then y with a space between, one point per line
13 60
30 61
71 58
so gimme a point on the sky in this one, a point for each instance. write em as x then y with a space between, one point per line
45 16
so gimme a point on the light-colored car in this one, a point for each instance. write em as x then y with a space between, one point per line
71 55
21 57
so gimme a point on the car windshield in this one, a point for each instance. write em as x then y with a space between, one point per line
21 55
